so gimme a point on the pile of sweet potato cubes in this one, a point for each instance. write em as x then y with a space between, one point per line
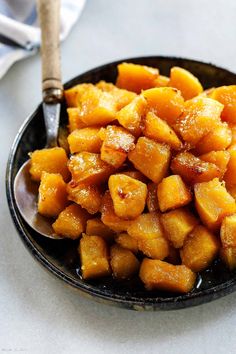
148 181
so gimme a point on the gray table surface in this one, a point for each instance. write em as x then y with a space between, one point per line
37 313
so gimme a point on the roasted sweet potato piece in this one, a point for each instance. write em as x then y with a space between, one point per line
228 256
52 198
200 249
134 77
151 158
227 96
152 200
230 174
218 139
96 227
233 132
136 175
219 158
177 225
172 193
87 167
97 107
159 130
128 196
159 275
148 231
192 169
88 196
94 257
71 222
213 203
124 264
109 217
73 94
52 160
228 231
162 81
122 97
166 102
200 116
232 190
74 119
117 142
86 139
186 82
127 242
131 116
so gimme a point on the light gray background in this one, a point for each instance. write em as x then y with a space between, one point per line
38 314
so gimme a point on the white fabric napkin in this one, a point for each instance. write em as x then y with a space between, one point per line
19 32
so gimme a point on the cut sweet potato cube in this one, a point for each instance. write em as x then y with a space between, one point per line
166 102
228 231
232 190
233 131
136 175
151 158
127 242
159 275
97 107
94 257
74 94
131 116
148 231
228 256
172 193
74 119
200 116
122 97
152 201
88 168
116 144
134 77
159 130
192 169
124 264
52 198
96 227
109 217
219 158
71 222
227 96
186 82
52 160
128 196
177 225
88 196
200 249
213 203
230 174
86 139
162 81
218 139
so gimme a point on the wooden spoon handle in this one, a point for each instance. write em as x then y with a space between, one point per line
49 18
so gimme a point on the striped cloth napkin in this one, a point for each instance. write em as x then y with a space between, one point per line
19 32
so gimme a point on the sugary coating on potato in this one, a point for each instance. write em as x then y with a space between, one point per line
218 158
124 264
73 94
74 119
228 231
51 160
230 174
228 256
128 195
162 81
96 227
227 96
160 275
152 200
85 139
71 222
127 242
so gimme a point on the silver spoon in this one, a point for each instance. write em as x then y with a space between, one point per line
25 190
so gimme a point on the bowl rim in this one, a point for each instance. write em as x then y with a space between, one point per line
159 303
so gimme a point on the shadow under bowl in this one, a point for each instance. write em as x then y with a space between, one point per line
61 257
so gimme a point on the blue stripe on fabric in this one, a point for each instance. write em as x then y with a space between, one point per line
32 17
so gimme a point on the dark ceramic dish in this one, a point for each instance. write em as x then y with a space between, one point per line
61 257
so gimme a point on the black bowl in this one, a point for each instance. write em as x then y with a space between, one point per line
61 257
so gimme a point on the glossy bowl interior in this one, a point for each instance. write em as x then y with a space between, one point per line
61 257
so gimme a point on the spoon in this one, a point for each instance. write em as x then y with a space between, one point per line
25 190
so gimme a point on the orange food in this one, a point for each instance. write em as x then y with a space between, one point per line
162 81
200 249
169 187
230 174
86 139
88 196
134 77
228 256
218 158
227 96
228 231
152 201
124 264
73 95
127 242
159 275
96 227
151 158
136 175
71 222
74 119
